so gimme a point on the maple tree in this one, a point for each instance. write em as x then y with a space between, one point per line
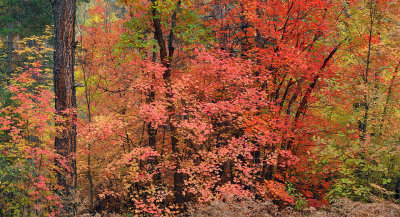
28 174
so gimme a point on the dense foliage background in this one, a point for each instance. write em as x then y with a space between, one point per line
185 103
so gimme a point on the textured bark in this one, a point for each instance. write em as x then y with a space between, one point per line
227 176
65 98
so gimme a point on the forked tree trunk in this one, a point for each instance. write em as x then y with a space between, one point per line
166 56
64 12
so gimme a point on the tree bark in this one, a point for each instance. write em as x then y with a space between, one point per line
364 123
166 56
9 57
9 48
64 12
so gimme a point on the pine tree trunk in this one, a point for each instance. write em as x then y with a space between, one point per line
9 57
65 99
9 49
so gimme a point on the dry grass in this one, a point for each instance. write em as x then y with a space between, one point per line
245 208
340 208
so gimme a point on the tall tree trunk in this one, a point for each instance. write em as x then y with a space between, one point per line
388 97
64 12
151 131
363 126
9 57
166 56
89 145
9 48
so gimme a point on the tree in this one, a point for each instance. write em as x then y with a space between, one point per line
64 88
27 176
359 105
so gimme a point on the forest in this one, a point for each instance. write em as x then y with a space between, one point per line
200 108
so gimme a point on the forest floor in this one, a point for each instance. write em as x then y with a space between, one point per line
339 208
